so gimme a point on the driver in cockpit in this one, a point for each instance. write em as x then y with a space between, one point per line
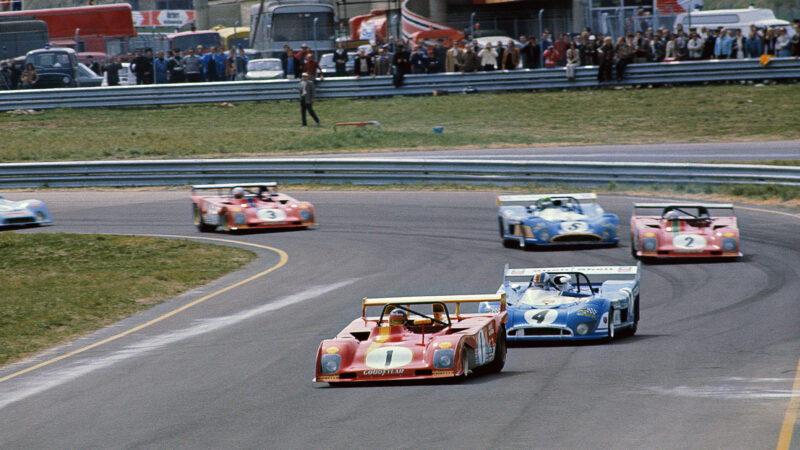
562 283
541 280
398 317
545 281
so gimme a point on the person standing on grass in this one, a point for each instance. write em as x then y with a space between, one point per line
307 94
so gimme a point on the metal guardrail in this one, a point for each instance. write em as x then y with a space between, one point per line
378 171
186 93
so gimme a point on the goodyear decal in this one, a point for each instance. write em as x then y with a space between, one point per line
374 372
327 377
443 373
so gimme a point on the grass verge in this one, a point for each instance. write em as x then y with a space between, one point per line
575 117
59 286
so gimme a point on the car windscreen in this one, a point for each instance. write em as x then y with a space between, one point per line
185 42
264 65
49 60
303 26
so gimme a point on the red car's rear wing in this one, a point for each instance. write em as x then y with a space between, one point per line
640 208
457 299
233 185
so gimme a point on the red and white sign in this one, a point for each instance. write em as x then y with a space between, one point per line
162 18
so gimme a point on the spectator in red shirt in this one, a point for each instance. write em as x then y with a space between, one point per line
561 46
311 66
551 56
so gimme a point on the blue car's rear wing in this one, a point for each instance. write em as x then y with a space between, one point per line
527 199
596 274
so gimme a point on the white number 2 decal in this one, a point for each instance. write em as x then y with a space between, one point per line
689 241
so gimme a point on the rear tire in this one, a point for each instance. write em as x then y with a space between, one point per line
499 352
201 225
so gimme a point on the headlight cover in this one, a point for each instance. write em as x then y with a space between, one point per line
729 244
583 328
329 363
239 218
649 244
305 215
544 235
443 358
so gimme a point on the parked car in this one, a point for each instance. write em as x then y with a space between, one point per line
264 69
87 77
328 67
732 19
57 67
126 76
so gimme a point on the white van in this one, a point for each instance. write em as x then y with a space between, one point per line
732 19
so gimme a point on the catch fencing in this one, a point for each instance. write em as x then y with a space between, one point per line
686 72
381 171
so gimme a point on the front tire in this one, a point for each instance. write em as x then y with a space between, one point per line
635 326
201 225
610 337
634 240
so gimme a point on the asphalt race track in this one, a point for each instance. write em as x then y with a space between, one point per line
713 364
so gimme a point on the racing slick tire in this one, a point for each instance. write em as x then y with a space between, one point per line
633 247
635 326
199 222
467 356
499 353
610 337
509 243
224 223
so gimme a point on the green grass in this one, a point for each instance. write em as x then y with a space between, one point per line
58 286
604 116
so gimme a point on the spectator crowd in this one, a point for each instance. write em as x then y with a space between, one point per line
467 55
584 49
